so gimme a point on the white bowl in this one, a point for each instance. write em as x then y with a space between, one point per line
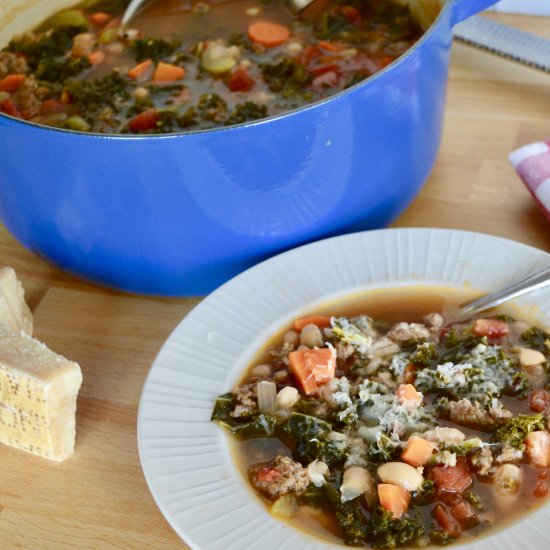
186 458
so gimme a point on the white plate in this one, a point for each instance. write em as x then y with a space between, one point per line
185 457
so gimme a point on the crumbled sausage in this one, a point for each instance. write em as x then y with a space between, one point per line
508 454
11 63
279 477
408 332
246 397
28 98
466 412
482 461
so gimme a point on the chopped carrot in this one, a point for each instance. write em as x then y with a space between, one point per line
492 328
320 320
141 71
96 58
393 498
312 367
165 72
11 82
113 23
538 448
99 18
65 97
418 451
408 396
302 372
331 46
268 34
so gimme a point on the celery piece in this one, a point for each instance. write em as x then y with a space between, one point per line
67 18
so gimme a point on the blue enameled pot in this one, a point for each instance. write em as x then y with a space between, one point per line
180 214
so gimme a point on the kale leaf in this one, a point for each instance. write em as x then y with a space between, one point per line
287 77
385 531
253 424
47 46
92 95
536 338
350 516
153 48
58 69
246 111
309 438
516 430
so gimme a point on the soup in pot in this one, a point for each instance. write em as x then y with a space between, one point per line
189 65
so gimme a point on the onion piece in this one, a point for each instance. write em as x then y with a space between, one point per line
267 396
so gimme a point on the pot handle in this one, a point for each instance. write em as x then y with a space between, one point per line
464 8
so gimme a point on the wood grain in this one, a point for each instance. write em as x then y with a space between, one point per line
98 499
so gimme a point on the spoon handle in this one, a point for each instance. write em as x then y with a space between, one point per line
528 284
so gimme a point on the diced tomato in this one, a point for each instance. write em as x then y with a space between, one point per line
267 475
455 479
539 400
353 15
541 489
8 106
446 520
146 120
325 80
325 68
492 328
465 514
538 448
240 80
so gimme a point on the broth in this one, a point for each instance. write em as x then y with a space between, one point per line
410 305
191 65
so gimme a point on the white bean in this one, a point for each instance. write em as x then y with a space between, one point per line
291 337
444 435
317 471
287 397
530 357
311 336
536 374
399 473
356 481
261 370
508 478
506 484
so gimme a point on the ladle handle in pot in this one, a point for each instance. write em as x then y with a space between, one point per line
462 9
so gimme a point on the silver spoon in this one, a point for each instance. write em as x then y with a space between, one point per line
535 281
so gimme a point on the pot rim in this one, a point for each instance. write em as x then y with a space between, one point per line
251 123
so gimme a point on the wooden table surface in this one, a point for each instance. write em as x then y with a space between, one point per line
99 498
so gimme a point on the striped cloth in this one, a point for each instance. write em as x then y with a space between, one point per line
532 163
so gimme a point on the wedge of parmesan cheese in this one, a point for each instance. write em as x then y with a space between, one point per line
14 311
38 392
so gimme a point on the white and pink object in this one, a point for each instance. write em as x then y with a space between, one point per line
532 163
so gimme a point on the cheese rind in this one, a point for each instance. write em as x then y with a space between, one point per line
38 393
14 311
